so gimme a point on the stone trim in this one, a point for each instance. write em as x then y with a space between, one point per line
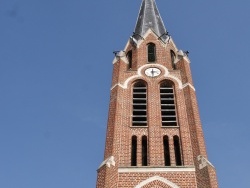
120 55
181 55
203 162
140 74
156 169
125 85
187 59
108 162
188 84
157 178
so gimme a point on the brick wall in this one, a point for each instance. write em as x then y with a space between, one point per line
120 129
181 179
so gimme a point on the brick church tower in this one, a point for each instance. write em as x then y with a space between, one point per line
154 134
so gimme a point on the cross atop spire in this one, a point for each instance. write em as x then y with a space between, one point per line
149 18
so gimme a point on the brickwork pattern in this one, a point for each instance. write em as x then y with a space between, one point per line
156 184
120 129
181 179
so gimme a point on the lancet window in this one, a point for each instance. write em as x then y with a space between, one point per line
151 52
129 57
144 151
168 111
134 151
140 104
166 151
173 59
177 151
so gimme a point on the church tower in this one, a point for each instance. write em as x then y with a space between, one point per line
154 134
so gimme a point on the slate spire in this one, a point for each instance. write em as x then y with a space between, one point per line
149 18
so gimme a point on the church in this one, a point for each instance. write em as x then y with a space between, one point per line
154 134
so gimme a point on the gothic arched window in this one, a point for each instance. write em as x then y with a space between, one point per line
173 58
168 112
134 151
151 52
166 151
129 57
177 151
140 104
144 152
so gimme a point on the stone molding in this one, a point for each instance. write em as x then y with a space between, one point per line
140 75
157 178
108 162
203 162
155 169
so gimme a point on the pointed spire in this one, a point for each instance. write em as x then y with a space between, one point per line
149 18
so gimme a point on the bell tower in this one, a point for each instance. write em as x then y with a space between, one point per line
154 134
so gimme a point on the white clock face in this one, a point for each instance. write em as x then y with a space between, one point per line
152 72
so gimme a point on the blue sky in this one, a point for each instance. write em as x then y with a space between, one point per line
55 77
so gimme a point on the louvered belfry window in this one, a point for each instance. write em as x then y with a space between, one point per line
140 104
168 111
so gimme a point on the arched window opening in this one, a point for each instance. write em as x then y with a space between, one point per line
168 112
173 59
177 151
140 104
134 151
151 52
166 151
129 57
144 151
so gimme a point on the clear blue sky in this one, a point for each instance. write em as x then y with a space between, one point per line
55 77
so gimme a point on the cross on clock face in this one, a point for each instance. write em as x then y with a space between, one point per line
152 72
